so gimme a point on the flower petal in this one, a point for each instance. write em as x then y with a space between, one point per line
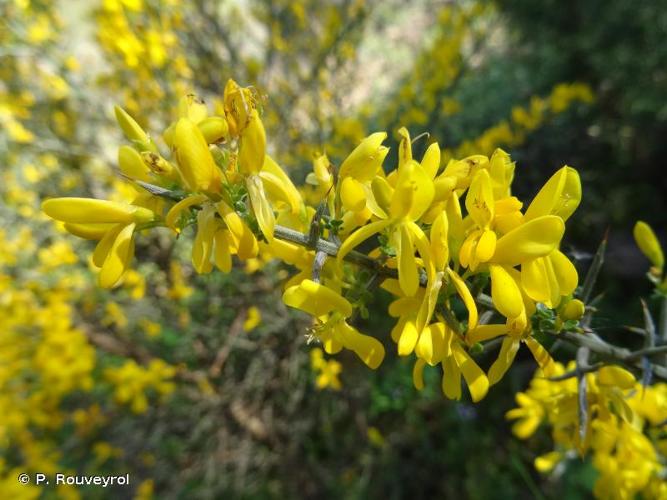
261 207
369 349
359 236
536 238
505 292
508 351
478 384
316 299
118 257
466 296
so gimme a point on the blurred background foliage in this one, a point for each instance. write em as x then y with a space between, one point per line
204 386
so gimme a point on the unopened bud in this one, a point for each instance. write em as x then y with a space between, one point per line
214 128
573 310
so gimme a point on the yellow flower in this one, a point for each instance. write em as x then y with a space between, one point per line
439 344
253 319
239 102
410 198
330 309
329 370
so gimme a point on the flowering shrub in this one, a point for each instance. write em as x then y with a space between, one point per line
449 237
425 268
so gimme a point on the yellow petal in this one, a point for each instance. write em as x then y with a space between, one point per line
369 349
408 338
478 384
418 374
193 108
104 245
439 245
542 356
649 244
132 164
554 286
536 238
431 160
352 194
615 376
403 306
89 210
202 247
261 206
427 306
431 344
382 192
214 129
117 259
508 351
420 241
252 149
363 162
316 299
546 463
565 272
501 170
279 185
174 212
408 273
451 378
466 296
359 236
466 256
132 130
479 200
91 231
482 333
444 186
404 148
560 196
195 163
486 246
535 281
222 255
372 204
505 293
243 238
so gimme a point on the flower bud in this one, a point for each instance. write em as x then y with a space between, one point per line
131 163
132 130
363 162
89 210
648 243
573 310
214 128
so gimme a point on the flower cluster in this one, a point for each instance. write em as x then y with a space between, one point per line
622 432
132 381
442 229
